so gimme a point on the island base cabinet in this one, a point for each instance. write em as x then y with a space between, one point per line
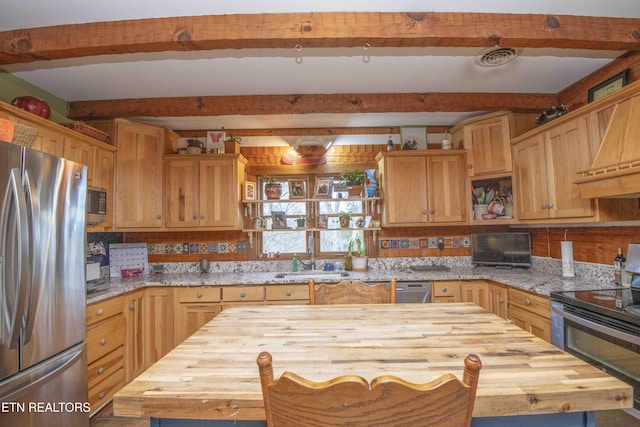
159 318
135 335
195 307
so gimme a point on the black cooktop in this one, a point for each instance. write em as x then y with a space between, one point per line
620 303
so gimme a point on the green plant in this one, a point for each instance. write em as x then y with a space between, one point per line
358 246
268 179
355 177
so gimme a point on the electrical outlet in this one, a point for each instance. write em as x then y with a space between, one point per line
441 243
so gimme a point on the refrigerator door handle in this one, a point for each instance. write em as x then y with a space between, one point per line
20 295
32 208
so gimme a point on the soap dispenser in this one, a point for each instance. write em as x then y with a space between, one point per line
295 262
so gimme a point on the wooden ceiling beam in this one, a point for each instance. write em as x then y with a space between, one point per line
328 132
309 103
319 29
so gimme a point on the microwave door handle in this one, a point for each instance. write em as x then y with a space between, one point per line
34 282
14 196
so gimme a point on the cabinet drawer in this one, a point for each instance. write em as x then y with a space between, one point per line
199 295
104 391
287 292
104 309
105 338
243 293
529 302
445 289
104 367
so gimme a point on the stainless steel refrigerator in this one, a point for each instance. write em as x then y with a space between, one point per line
43 367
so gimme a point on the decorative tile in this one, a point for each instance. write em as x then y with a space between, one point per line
432 242
223 248
213 247
395 244
384 244
423 243
194 248
466 242
167 248
404 243
456 242
177 248
204 248
232 248
151 248
185 247
414 243
242 246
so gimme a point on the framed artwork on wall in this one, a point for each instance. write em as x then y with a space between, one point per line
323 187
413 138
609 86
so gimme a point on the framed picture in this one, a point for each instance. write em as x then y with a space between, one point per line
249 190
609 86
278 219
297 189
323 187
322 220
413 138
215 141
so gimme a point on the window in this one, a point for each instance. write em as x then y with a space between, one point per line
329 237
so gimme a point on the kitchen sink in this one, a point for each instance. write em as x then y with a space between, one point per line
430 267
313 274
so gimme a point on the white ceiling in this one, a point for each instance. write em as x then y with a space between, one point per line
320 71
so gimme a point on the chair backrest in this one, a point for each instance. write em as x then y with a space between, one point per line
351 292
292 401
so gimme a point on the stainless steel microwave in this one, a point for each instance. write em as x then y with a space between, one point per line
96 205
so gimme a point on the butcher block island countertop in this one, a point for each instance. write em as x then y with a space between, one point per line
213 374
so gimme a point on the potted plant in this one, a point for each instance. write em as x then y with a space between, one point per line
354 180
300 221
272 187
344 218
260 222
359 261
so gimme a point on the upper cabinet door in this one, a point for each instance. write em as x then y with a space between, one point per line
220 193
489 143
181 192
405 194
447 182
138 199
530 175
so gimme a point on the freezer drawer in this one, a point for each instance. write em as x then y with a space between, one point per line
50 394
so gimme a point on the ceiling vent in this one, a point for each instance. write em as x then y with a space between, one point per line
496 56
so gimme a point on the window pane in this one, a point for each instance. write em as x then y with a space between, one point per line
285 242
338 240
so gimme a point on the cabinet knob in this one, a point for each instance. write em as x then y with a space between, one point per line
444 289
199 295
195 216
544 206
432 212
101 395
243 294
550 205
501 300
424 211
100 371
100 312
527 302
288 292
132 307
158 216
201 216
103 341
469 166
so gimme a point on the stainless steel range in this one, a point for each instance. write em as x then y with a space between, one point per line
602 327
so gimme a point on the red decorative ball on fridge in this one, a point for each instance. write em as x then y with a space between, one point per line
33 105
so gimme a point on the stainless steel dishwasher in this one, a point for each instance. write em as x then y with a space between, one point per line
413 292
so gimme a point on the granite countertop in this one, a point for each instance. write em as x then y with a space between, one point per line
538 282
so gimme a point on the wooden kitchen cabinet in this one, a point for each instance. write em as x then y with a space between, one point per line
444 291
498 300
135 334
531 313
545 167
159 316
253 294
287 294
421 188
137 200
487 139
204 191
475 291
105 350
194 308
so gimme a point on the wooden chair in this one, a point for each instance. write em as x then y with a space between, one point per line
349 400
351 292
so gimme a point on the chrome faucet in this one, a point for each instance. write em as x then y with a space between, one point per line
311 250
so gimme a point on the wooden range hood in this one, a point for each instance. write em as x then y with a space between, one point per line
615 171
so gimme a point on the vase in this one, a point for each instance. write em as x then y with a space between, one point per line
372 185
359 263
